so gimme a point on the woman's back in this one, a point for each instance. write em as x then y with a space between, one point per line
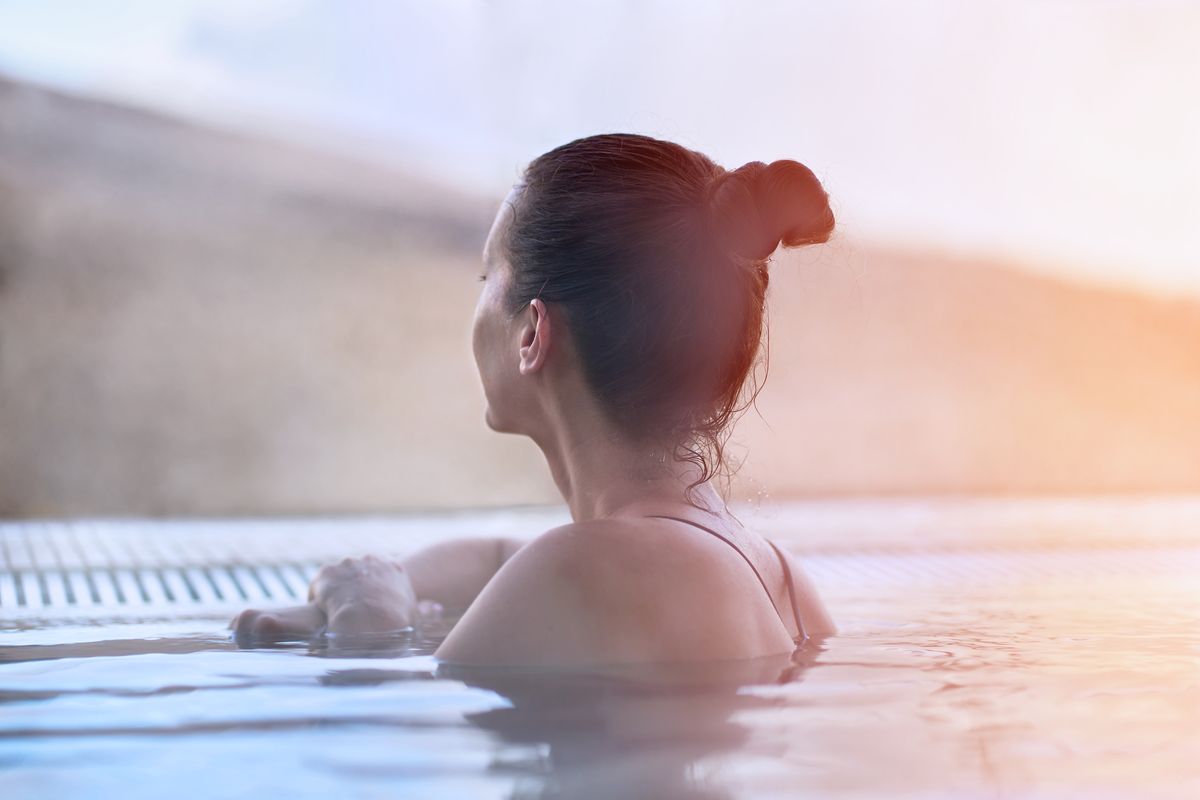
780 576
799 633
632 589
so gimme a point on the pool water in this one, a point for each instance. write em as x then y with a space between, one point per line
1084 685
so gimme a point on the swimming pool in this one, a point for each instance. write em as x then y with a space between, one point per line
1034 649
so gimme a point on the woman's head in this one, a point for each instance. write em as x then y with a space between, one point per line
657 260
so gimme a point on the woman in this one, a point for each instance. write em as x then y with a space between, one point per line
621 314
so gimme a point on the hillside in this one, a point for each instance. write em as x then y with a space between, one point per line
193 322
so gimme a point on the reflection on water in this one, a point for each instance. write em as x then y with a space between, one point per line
1082 689
627 733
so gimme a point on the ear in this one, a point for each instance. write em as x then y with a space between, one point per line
535 337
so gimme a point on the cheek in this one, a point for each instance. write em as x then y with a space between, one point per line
485 335
477 333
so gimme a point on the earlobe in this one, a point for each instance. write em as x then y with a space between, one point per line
535 340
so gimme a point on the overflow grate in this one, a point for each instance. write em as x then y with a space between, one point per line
53 570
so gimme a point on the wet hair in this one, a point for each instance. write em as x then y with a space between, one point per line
659 258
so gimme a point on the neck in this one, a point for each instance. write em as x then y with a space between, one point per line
601 473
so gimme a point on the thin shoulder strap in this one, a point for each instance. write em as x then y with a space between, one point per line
787 573
791 590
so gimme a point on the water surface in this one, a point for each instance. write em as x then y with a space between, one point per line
1084 688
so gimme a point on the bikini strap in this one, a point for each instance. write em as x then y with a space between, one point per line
787 572
791 590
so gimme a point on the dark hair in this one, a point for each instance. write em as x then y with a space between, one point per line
658 257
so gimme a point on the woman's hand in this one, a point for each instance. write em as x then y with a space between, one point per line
364 595
353 596
253 627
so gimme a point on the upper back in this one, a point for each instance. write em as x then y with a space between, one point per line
621 590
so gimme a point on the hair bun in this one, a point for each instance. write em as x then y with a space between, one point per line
758 206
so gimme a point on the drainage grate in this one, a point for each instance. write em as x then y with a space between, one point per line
156 569
74 571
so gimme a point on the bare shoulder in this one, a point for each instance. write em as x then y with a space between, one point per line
608 590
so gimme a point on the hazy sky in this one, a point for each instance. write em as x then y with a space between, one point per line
1066 132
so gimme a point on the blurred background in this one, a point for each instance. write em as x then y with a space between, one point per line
239 241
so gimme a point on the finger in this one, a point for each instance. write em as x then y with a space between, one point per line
262 627
243 624
298 621
301 622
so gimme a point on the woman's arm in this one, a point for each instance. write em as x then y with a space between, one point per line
454 573
369 594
